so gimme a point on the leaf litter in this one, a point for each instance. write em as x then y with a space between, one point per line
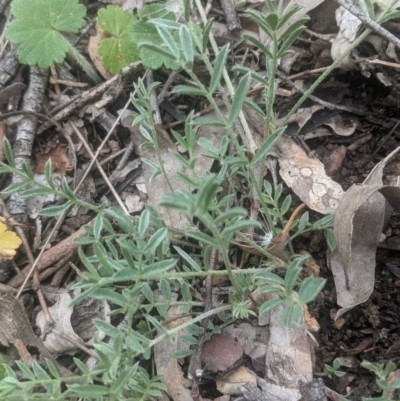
358 226
284 357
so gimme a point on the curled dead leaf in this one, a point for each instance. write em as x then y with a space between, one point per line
307 177
93 47
338 126
357 228
166 364
16 329
69 332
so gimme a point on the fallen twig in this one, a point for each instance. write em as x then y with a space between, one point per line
91 94
51 256
25 132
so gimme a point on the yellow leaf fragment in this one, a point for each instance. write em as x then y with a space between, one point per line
9 241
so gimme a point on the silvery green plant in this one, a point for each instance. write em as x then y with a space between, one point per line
282 288
29 187
382 372
133 256
278 209
185 42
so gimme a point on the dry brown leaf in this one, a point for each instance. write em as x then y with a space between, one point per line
301 117
59 159
166 364
307 177
337 125
79 330
94 43
61 313
288 360
157 187
334 162
358 226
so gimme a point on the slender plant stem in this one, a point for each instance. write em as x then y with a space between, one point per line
239 148
158 154
221 246
189 323
270 98
225 74
321 78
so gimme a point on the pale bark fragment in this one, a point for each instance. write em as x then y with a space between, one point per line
25 131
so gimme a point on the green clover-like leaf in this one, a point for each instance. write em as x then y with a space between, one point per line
37 26
118 50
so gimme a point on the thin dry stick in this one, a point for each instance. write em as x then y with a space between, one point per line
105 161
359 142
249 136
231 19
203 325
307 73
208 7
127 152
381 62
78 344
279 242
103 174
72 84
55 78
369 22
166 86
